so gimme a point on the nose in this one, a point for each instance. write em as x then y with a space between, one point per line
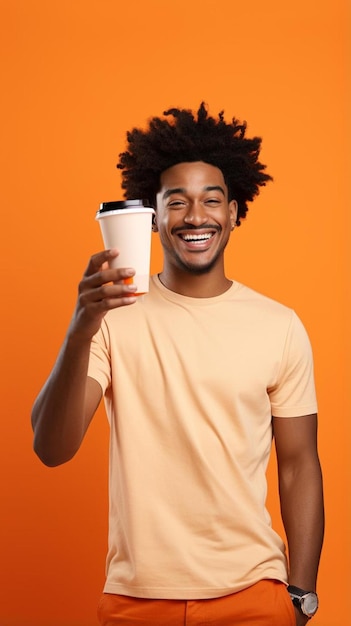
196 214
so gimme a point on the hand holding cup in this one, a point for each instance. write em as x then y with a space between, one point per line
101 289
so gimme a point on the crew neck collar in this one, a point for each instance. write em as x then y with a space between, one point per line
177 297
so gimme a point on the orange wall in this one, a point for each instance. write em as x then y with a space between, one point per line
76 75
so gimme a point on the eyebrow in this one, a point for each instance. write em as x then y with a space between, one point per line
215 188
169 192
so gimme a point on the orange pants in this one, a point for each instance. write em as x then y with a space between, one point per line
266 603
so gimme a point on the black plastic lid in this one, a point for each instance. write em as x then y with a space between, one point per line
123 204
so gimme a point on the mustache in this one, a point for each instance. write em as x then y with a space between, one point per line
180 229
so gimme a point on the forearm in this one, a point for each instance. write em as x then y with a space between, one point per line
65 406
301 495
59 416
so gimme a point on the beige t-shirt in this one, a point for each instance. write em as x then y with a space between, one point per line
190 387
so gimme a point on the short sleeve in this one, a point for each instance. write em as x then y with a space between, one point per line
294 393
100 361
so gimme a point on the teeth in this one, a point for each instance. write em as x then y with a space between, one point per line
202 237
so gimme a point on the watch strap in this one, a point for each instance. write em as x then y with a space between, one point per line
296 591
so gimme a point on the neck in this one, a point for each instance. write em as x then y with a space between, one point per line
195 285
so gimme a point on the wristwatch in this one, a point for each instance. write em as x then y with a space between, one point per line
306 601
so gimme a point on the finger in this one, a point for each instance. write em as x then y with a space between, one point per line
97 261
121 275
112 291
105 292
93 306
108 304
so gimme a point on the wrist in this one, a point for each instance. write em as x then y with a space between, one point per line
305 601
76 338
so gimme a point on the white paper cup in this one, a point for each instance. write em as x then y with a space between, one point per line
127 225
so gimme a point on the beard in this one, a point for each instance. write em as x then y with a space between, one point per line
194 268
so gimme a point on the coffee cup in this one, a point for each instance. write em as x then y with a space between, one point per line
127 225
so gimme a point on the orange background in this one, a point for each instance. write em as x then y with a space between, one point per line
76 74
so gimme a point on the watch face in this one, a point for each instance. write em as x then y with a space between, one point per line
310 604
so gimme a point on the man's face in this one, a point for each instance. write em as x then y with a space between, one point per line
194 217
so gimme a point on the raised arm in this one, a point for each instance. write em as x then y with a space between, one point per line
67 403
301 498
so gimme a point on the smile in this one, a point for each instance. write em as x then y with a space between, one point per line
194 238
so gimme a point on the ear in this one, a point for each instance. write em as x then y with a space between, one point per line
233 213
154 224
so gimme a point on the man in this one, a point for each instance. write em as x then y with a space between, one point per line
197 375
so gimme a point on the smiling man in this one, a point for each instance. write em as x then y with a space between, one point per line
194 218
198 376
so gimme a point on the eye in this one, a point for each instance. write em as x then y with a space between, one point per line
175 204
212 201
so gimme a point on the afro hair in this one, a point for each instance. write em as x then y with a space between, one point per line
189 138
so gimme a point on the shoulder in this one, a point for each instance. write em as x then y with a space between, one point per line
262 305
248 294
269 315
